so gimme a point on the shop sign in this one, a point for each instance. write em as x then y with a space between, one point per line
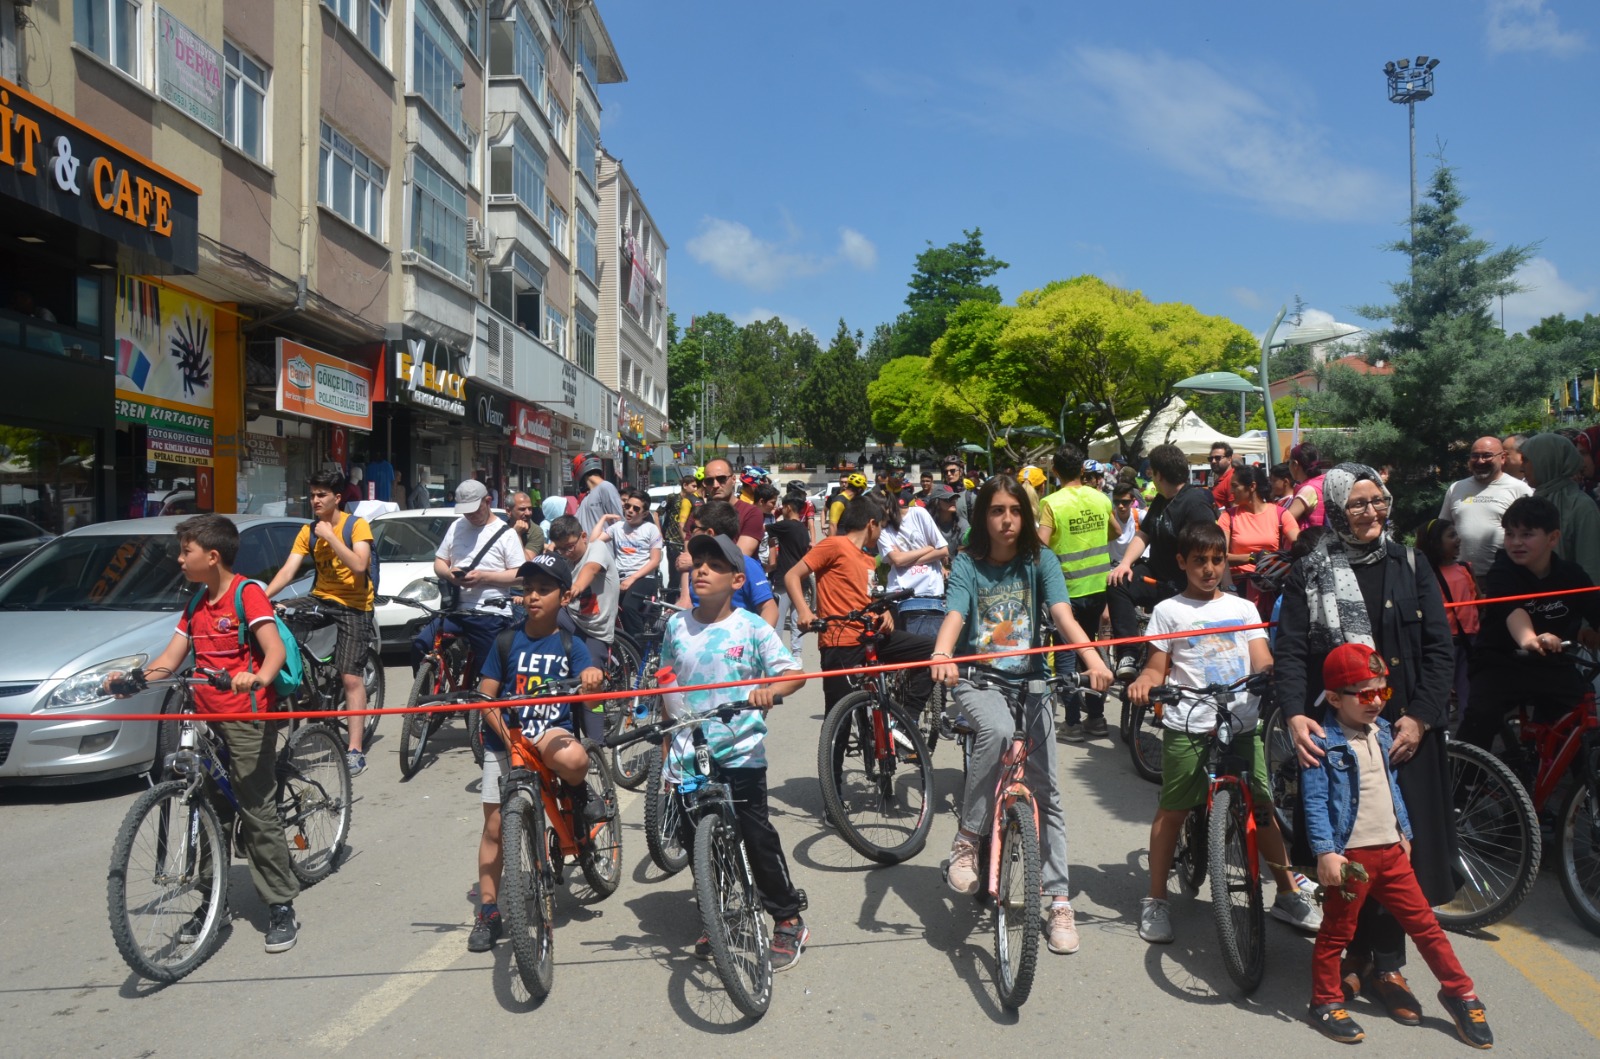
266 451
166 352
428 373
54 162
490 410
317 385
174 446
151 416
569 383
532 428
189 71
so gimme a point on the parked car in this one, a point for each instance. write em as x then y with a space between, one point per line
101 598
405 542
18 537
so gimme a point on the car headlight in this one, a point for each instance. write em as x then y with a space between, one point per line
86 687
423 590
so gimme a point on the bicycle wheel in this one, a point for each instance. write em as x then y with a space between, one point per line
602 859
167 889
931 713
372 678
314 801
1017 906
417 727
527 900
1236 891
1498 843
1144 743
731 912
1189 859
882 805
1283 773
475 735
1578 832
631 764
663 820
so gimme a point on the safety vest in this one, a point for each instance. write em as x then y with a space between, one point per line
1082 516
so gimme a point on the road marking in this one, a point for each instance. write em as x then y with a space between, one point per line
1568 986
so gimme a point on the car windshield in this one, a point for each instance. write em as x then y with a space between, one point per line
138 572
410 540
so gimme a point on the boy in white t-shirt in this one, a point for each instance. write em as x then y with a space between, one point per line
1187 727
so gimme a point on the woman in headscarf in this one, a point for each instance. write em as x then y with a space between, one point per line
1359 586
1552 464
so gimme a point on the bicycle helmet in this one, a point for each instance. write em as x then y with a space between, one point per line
699 474
1032 476
856 481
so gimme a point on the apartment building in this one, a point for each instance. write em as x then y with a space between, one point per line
632 354
249 240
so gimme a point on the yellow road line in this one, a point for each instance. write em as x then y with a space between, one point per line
1569 987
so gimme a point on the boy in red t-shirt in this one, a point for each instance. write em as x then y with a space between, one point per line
209 545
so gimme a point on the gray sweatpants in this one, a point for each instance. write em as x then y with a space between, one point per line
987 711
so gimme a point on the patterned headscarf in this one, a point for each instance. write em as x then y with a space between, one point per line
1338 613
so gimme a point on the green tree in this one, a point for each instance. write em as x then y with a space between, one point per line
745 398
831 401
695 363
945 277
982 386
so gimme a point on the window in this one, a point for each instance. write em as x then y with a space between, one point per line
517 293
531 59
517 168
558 121
583 49
350 184
475 30
438 218
555 329
244 101
588 262
110 29
588 147
367 19
558 229
585 343
519 51
436 62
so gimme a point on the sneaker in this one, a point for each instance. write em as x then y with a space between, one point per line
1127 667
1303 884
1095 727
590 809
702 948
486 930
947 726
189 932
962 874
1335 1023
788 942
282 928
1072 733
1061 931
1472 1025
1155 921
355 761
1297 910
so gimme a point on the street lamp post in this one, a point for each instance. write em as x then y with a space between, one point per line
1410 85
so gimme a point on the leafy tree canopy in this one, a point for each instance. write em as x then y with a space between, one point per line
944 277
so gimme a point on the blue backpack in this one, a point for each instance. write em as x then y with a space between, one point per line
293 672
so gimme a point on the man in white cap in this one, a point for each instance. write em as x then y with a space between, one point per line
479 557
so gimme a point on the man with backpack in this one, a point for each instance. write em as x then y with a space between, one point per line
340 546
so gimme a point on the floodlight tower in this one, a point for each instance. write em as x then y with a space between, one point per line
1410 84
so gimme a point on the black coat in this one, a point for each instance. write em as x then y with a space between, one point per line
1411 633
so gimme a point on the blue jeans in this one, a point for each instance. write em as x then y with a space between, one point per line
923 621
479 629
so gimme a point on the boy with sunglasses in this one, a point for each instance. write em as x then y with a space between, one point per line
1356 825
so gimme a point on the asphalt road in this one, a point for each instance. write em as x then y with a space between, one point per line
897 965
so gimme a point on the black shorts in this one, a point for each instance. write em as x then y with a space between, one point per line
355 636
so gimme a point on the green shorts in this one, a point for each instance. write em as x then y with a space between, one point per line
1183 769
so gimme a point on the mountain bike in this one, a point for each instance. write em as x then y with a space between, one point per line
1229 847
875 768
316 637
167 888
1008 850
635 668
731 910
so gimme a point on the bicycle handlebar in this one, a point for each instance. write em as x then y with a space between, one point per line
1170 694
984 677
136 680
724 713
859 617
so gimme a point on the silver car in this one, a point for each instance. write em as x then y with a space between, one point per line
96 599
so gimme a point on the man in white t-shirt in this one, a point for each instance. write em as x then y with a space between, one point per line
916 550
636 542
479 556
1476 504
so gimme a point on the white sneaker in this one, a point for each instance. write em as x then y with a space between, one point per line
1061 930
1297 910
1155 921
962 874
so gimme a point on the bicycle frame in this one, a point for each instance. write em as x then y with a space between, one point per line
1224 775
1557 744
538 778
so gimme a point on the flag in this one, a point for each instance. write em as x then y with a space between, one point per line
1594 391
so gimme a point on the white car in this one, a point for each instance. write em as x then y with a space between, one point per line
405 543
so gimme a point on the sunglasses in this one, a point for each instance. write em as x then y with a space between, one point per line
633 507
1371 696
718 479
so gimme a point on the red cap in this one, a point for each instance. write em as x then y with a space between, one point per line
1349 664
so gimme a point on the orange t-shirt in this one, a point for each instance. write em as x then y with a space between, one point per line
844 583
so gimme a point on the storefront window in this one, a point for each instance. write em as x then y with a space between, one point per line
47 477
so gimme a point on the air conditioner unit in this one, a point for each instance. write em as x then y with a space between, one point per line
480 243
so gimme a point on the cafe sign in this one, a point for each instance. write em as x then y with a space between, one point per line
53 162
317 385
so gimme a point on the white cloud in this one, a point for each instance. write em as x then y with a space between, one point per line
737 254
1528 26
762 313
1246 297
1544 294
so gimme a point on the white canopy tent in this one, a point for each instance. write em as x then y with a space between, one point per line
1176 424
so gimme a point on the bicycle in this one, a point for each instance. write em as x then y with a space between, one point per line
323 687
636 665
731 911
884 811
167 886
540 832
1229 831
1008 850
442 676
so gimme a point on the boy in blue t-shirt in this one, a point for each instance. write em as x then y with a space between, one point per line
714 644
537 652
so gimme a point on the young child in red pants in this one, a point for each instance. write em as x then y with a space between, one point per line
1357 827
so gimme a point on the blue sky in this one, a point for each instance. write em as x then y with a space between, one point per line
797 156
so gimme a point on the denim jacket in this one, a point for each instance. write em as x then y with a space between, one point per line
1331 790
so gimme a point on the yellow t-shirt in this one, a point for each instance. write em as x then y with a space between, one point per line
335 581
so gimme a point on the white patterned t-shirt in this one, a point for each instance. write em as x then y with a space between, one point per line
739 647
